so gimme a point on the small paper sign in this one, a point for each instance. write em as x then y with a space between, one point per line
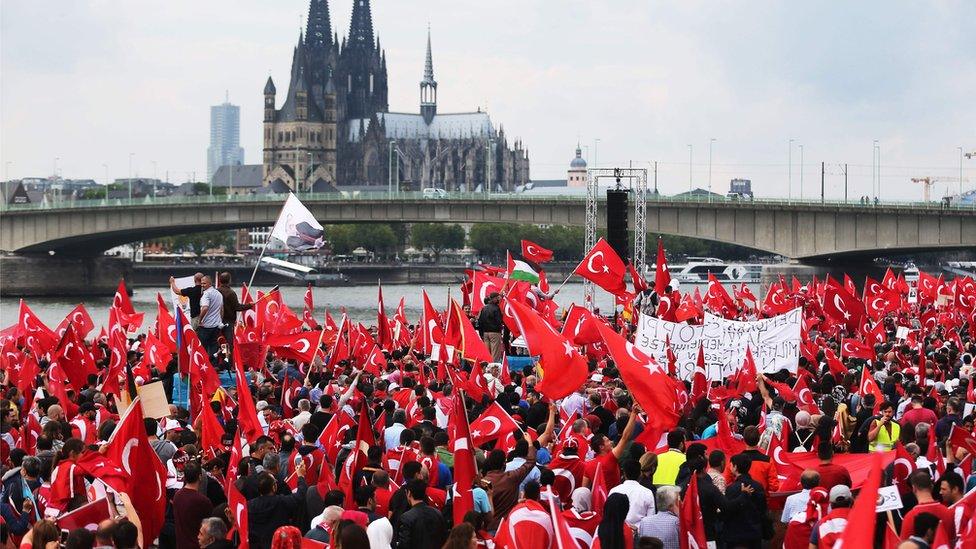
153 398
902 332
888 499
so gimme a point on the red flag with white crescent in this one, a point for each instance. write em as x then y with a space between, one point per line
603 267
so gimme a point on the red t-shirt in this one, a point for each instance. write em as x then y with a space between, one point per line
832 474
933 507
382 497
919 415
609 467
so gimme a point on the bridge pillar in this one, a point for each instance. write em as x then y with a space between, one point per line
53 276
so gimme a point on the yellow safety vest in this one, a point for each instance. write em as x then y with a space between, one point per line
885 441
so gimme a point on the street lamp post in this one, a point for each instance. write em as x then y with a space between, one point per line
710 142
596 145
390 166
154 179
691 150
960 172
789 169
130 174
875 169
106 175
801 171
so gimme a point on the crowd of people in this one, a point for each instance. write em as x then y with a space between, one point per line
426 447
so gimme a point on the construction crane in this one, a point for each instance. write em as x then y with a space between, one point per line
929 181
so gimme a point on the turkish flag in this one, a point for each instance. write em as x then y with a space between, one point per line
718 299
869 386
853 348
493 424
300 346
464 466
777 301
744 380
87 516
81 320
129 448
308 313
74 359
130 319
928 287
690 519
165 325
959 437
653 389
357 457
563 369
603 267
247 414
471 345
34 334
482 285
782 389
688 309
333 435
535 253
384 335
804 396
373 362
843 307
430 333
528 525
562 533
662 275
580 326
835 365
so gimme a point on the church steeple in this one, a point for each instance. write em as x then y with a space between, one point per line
318 32
361 25
428 86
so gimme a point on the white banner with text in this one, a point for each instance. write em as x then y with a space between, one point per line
775 343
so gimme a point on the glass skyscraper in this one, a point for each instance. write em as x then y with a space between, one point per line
225 138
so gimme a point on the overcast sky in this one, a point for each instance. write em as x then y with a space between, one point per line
91 82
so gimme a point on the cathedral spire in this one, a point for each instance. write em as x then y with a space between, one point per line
319 27
361 24
428 87
429 63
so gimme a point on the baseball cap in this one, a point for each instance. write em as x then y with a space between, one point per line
261 405
839 493
171 425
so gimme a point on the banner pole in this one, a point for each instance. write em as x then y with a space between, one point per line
258 264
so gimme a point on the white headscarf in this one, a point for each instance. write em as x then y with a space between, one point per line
581 499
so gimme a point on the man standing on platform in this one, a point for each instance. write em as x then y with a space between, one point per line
490 325
211 317
193 293
232 306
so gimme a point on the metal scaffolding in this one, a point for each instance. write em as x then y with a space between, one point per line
634 179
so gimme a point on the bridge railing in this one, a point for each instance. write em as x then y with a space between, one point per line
528 198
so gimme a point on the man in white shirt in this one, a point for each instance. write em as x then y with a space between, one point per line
211 317
641 498
391 436
304 414
798 502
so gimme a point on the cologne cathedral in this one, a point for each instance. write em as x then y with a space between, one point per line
335 130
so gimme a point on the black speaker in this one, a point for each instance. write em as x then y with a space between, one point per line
618 204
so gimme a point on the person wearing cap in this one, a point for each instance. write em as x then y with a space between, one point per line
829 529
83 425
922 486
490 326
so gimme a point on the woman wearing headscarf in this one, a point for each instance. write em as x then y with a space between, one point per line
380 533
580 518
613 532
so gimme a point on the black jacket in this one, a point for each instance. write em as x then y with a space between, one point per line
265 514
422 527
220 544
490 319
744 514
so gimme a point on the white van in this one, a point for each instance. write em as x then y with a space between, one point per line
432 192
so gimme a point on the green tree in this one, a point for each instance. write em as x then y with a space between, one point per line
436 237
94 193
199 243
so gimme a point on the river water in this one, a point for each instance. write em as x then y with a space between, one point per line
359 302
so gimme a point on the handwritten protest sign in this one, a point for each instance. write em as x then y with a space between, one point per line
775 343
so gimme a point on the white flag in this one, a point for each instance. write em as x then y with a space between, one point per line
297 228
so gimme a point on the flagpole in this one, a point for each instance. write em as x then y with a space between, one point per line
571 273
258 264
